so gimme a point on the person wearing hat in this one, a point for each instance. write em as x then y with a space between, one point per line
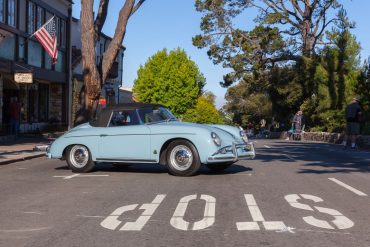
353 117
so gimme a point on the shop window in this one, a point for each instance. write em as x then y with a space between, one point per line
34 53
33 103
31 18
43 102
23 99
12 11
60 64
40 17
7 40
62 34
2 10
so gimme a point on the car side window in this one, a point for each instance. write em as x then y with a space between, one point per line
123 118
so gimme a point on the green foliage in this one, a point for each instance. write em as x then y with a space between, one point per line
296 57
204 111
246 106
171 79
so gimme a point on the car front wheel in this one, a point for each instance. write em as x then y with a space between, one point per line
182 158
79 159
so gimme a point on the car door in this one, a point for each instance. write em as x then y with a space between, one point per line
125 139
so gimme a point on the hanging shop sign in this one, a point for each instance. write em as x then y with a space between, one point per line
23 77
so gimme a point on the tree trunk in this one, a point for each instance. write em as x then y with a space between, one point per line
91 74
114 46
94 78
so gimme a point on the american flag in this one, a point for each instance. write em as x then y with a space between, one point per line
46 35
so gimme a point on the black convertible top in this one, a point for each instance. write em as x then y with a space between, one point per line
104 115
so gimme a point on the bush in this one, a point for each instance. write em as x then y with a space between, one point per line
365 128
332 121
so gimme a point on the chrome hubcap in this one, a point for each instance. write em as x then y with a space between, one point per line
181 157
79 156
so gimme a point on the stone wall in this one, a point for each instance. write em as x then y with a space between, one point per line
337 138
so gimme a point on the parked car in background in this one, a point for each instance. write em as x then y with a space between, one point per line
149 133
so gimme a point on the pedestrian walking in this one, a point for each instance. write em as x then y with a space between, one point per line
353 117
298 123
15 112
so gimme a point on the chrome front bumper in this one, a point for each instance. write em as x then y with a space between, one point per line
233 153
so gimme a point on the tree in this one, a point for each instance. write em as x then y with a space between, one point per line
304 21
95 75
204 111
247 106
171 79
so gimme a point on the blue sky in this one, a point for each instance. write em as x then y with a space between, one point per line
170 24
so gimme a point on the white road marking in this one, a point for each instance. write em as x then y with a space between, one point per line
266 146
145 216
340 221
307 230
253 208
287 229
81 176
32 213
241 174
22 168
209 213
111 222
90 216
94 175
357 192
258 217
25 230
178 222
68 177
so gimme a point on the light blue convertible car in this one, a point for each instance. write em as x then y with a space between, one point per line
149 133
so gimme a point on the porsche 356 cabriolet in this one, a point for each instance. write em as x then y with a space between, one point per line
149 133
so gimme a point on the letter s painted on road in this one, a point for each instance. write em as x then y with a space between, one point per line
340 221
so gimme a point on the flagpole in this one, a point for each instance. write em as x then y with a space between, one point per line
42 26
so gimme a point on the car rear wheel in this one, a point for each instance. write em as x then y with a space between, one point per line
182 158
79 159
219 166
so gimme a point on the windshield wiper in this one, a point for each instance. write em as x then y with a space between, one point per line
171 119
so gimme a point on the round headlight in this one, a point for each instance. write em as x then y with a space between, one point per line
216 139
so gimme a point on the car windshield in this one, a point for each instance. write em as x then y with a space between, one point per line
155 114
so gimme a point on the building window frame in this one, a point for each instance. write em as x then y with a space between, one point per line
11 13
31 18
2 11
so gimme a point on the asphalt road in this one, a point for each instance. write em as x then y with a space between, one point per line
292 194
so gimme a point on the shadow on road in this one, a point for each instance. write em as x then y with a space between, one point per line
155 168
318 158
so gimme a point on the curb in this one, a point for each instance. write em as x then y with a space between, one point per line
5 162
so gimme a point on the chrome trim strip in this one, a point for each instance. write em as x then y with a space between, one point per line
126 160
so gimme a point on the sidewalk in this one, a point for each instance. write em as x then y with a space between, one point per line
22 148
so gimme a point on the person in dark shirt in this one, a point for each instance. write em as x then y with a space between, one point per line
353 116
